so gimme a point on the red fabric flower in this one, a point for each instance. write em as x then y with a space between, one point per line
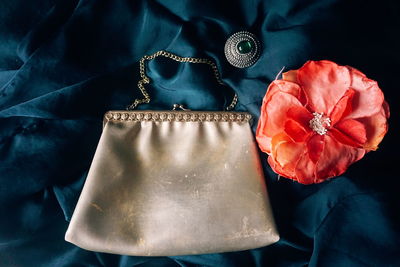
319 119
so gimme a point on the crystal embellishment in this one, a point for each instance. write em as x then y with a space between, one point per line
320 123
180 116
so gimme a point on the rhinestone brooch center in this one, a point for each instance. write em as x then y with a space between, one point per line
320 123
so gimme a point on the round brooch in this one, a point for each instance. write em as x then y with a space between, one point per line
242 49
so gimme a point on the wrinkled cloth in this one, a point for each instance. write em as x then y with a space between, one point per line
63 64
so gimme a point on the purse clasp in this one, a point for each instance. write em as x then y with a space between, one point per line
179 106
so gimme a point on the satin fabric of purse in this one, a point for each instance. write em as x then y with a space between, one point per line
165 183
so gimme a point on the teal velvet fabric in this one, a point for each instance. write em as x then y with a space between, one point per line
64 63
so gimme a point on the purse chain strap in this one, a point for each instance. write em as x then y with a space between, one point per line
145 79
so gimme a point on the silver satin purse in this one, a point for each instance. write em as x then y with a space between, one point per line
165 183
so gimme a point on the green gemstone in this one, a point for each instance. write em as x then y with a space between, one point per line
244 47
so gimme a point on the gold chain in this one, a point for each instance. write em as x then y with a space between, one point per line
145 79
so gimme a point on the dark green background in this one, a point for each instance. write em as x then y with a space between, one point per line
64 63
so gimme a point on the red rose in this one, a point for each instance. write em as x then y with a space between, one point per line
319 119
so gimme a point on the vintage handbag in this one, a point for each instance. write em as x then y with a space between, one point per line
177 182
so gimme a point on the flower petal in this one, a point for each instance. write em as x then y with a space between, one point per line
306 165
301 115
336 158
324 83
281 96
343 107
297 124
285 154
350 132
333 160
282 87
342 138
315 146
376 127
296 131
264 141
305 169
277 168
290 76
368 98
